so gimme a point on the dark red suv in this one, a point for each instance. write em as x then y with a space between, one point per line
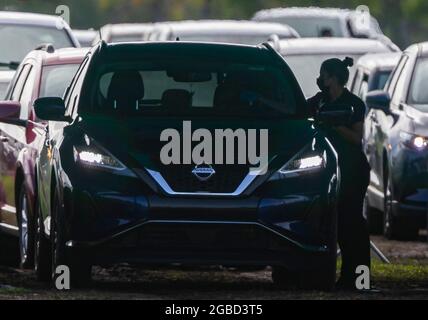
44 72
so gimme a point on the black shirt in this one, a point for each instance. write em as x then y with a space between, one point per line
350 155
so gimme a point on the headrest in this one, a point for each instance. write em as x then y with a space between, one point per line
126 87
176 99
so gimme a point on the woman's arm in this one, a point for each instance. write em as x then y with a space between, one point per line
353 135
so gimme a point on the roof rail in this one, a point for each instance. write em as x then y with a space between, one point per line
274 38
48 47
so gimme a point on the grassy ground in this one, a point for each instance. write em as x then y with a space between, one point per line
398 281
406 278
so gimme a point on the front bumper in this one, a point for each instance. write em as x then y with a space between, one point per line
202 243
409 171
290 231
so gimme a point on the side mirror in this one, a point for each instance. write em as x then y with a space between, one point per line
9 113
50 109
378 100
335 114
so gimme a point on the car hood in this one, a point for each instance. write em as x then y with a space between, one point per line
136 141
419 120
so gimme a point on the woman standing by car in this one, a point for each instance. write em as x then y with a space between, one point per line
353 233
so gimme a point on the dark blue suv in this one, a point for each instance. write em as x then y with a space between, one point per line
397 148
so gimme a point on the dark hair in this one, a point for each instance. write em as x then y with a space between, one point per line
338 68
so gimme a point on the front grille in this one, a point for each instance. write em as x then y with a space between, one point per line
226 179
206 237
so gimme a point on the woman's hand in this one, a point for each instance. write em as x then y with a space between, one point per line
353 135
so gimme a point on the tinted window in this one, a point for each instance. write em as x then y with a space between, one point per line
55 79
307 69
21 40
186 87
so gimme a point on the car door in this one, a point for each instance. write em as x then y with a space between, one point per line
13 138
9 135
383 123
45 157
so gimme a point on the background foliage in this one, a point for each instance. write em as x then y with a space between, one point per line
405 21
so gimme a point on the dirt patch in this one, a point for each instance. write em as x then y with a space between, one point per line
406 278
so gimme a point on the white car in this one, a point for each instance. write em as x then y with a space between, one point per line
226 31
305 56
316 22
21 33
123 32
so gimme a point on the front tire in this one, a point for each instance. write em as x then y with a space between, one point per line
323 278
395 228
42 250
80 268
27 228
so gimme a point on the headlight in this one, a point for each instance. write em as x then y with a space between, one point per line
304 163
414 141
93 155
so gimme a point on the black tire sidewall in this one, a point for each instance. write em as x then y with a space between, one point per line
80 268
28 262
42 256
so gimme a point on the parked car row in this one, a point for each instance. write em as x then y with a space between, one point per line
396 144
42 73
316 22
82 182
92 189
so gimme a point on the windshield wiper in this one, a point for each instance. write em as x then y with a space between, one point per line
12 65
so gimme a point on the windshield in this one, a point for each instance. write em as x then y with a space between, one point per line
186 87
249 39
55 79
306 68
313 27
418 91
17 41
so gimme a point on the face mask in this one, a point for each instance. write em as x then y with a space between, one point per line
322 86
